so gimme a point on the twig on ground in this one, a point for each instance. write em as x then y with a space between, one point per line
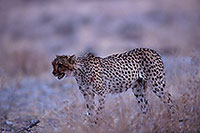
32 124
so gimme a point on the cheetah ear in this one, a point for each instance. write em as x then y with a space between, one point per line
72 59
57 56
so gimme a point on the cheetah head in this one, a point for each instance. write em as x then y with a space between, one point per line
63 65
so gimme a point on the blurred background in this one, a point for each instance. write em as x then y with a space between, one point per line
32 32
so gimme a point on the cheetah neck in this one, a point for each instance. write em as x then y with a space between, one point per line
79 66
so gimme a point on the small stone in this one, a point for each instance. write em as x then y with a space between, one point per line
8 122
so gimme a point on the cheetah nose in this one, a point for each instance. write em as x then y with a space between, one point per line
54 73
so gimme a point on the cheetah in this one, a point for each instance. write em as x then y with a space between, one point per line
116 73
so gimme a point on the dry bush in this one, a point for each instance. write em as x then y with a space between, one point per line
10 118
123 115
189 101
23 59
60 106
71 26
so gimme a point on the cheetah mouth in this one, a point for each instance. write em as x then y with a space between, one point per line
61 75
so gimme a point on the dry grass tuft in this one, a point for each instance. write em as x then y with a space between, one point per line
23 60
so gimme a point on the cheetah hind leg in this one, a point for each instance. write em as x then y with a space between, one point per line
165 97
139 90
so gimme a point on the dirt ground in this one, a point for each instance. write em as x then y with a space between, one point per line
32 32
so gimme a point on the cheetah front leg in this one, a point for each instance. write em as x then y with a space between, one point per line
89 101
139 90
100 108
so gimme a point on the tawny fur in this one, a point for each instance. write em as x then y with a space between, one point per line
115 74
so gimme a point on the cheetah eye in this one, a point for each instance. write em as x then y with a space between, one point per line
60 65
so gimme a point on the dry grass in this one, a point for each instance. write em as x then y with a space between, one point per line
33 32
59 106
23 60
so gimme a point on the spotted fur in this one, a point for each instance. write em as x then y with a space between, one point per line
115 74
